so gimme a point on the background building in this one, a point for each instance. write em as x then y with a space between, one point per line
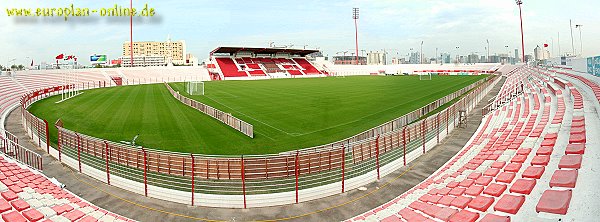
376 58
541 53
143 60
172 52
349 60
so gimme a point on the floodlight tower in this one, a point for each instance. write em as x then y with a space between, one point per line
488 50
131 30
519 3
580 40
355 17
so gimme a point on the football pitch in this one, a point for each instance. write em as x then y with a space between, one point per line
287 114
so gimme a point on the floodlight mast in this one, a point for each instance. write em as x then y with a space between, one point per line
519 3
355 17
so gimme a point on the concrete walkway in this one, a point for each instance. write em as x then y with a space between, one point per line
334 208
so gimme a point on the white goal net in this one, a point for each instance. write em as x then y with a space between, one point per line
195 88
425 76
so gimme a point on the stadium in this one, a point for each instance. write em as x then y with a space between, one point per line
284 134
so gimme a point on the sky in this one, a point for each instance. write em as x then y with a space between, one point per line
393 25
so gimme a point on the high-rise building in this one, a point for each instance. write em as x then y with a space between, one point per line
415 58
540 53
174 52
446 58
516 54
376 58
473 58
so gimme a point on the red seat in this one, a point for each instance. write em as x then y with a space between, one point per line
577 138
474 175
533 172
554 201
505 177
434 199
19 205
392 218
445 213
446 200
548 142
492 172
410 215
575 148
498 164
545 150
523 186
570 161
466 183
484 181
481 203
540 160
513 167
461 202
509 203
58 209
74 215
551 136
33 215
452 184
464 216
495 189
474 190
495 218
524 151
92 219
13 216
9 195
457 191
519 158
444 191
564 178
4 206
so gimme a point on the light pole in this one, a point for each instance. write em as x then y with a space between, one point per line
580 41
355 17
421 53
507 54
519 3
488 50
572 42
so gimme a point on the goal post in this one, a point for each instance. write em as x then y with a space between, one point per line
194 88
425 76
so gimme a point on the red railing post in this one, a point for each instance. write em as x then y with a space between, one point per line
343 167
106 153
145 172
47 137
244 181
59 138
78 150
437 125
423 133
193 184
404 143
377 155
447 121
296 172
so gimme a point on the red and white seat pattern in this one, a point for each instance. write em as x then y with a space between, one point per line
26 195
522 163
249 67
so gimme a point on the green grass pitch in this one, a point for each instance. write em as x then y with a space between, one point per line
287 114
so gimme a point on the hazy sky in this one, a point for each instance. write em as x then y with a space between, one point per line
396 25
